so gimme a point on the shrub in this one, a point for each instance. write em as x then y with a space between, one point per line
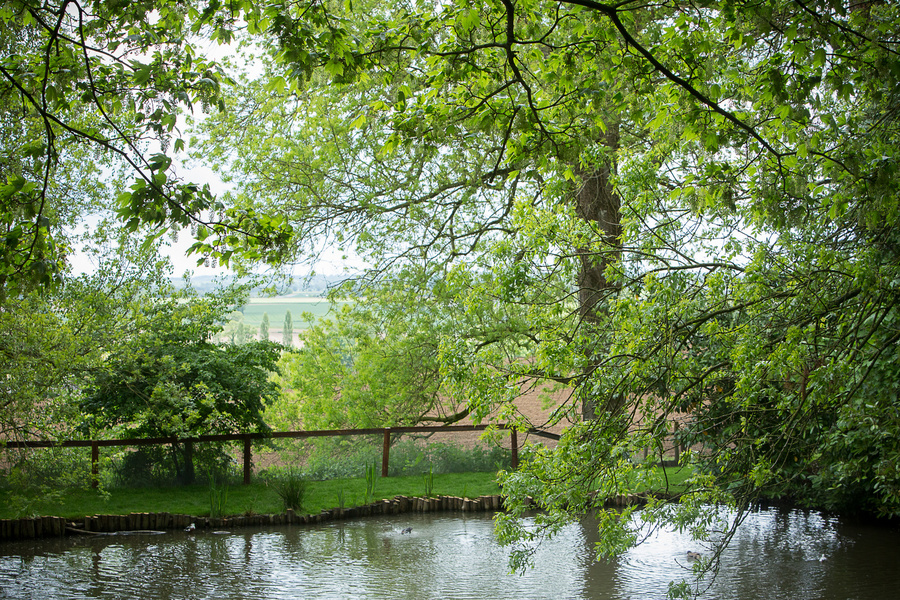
43 474
342 458
349 457
291 488
154 466
50 467
410 457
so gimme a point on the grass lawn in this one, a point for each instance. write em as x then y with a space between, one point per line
256 498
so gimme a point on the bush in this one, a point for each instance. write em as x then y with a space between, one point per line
147 466
44 473
290 487
342 458
50 467
414 458
154 466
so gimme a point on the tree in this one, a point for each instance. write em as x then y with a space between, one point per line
41 356
241 335
401 177
746 288
376 363
755 304
51 339
287 330
264 328
115 80
171 380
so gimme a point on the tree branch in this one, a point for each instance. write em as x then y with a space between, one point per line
611 12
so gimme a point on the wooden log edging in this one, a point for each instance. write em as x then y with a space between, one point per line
32 527
39 527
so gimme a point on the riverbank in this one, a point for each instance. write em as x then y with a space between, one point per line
158 523
89 511
154 523
259 497
130 509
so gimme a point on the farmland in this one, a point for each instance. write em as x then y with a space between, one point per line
304 311
277 306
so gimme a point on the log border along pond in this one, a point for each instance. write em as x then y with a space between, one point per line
155 523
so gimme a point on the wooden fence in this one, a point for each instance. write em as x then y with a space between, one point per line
248 439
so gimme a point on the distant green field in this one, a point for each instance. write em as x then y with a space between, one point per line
304 311
277 307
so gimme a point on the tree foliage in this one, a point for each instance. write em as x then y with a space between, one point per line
171 380
287 330
50 341
112 79
376 361
746 285
264 328
682 211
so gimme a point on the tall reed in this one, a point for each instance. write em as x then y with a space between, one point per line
370 482
429 482
218 497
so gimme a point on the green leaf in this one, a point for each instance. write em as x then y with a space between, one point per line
819 57
142 73
334 68
359 121
160 162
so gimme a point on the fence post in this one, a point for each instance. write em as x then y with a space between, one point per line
386 452
95 464
247 459
514 443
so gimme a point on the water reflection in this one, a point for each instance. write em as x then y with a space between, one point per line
775 555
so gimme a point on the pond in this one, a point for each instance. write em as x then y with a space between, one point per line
776 555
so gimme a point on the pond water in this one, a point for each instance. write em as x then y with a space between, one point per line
776 555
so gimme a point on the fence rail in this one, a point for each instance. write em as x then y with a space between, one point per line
248 439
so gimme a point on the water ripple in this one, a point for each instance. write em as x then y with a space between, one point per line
775 555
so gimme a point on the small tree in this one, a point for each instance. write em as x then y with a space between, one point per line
377 363
287 332
171 380
241 335
264 328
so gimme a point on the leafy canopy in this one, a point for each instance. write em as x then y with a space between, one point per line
714 181
171 380
752 148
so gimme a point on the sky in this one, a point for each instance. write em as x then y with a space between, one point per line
332 260
176 251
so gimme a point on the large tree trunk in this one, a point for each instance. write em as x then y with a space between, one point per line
189 476
185 473
596 201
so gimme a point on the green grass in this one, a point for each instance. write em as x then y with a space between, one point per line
676 477
258 497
